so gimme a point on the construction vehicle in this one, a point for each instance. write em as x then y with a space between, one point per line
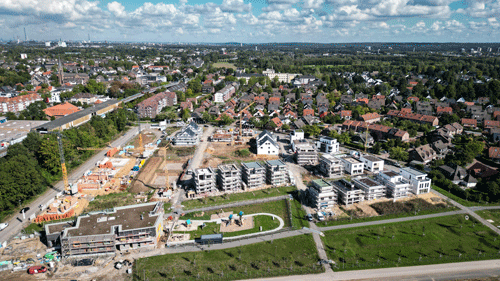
239 138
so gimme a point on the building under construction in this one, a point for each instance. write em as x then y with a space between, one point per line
105 232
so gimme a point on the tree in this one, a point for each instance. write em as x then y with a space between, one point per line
398 153
345 138
185 114
311 130
285 127
171 115
35 111
225 119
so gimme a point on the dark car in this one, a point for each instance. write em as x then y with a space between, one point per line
309 217
25 209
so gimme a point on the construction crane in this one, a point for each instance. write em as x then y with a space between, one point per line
61 155
141 149
241 121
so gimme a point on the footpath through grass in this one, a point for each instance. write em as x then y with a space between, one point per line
231 198
278 208
281 257
429 241
392 210
266 222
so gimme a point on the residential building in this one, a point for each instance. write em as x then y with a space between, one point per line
204 180
321 194
381 132
229 177
266 144
352 166
423 153
17 103
224 94
372 189
494 153
296 135
305 153
469 122
327 145
419 181
61 110
454 173
277 173
87 98
331 166
105 232
253 174
372 163
424 119
347 193
371 117
188 135
150 107
397 185
282 77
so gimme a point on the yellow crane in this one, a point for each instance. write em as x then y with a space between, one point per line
61 155
240 134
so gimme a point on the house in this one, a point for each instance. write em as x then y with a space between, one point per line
419 182
87 98
224 94
307 112
424 119
423 153
187 105
454 129
276 121
440 110
266 144
321 194
291 114
372 163
494 153
346 114
480 170
371 117
188 135
454 173
331 166
327 145
347 192
424 108
397 185
379 131
305 153
372 189
296 135
346 99
489 124
469 123
61 110
441 148
352 166
253 174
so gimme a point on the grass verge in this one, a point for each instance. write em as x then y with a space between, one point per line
243 196
108 201
493 215
460 200
288 256
430 241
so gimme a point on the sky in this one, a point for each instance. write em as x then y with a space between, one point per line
252 21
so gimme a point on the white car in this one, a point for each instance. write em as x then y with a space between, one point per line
3 226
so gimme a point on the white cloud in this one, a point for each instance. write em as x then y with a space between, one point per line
117 9
235 6
313 4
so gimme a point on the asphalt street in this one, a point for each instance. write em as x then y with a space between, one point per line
15 226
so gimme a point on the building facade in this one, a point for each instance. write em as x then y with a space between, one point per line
372 189
352 166
277 173
253 174
204 180
328 145
322 194
331 166
347 192
419 181
305 153
397 185
372 163
229 178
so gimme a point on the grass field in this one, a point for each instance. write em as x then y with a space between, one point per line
391 210
266 222
109 201
40 227
224 64
230 198
298 215
287 256
430 241
493 215
278 208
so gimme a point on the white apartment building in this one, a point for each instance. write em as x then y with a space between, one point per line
328 145
266 144
397 185
372 189
419 181
352 166
253 174
372 163
331 166
282 77
322 194
204 180
296 135
347 193
218 97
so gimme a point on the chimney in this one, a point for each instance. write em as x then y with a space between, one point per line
142 217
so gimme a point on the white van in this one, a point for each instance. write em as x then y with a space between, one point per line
320 216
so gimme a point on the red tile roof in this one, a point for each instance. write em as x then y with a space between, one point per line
61 109
345 113
277 121
470 122
491 123
308 112
494 152
447 109
370 116
413 98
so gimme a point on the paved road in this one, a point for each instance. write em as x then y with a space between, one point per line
469 211
16 226
449 271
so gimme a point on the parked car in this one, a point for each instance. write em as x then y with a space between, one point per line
309 217
3 226
37 269
321 216
25 209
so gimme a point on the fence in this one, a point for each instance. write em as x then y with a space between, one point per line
341 265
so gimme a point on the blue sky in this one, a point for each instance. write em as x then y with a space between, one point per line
253 21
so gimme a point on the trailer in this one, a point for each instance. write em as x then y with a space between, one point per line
210 239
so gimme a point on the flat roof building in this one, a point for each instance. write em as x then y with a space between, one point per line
105 232
305 153
419 181
229 178
371 188
372 163
277 173
352 166
397 185
204 180
347 192
331 166
322 194
253 174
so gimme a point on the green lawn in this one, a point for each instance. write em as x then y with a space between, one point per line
493 215
230 198
298 215
110 200
446 239
278 208
287 256
460 200
266 222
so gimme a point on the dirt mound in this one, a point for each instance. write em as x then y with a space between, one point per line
146 175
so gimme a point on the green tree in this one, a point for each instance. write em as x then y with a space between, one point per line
185 114
398 153
311 130
344 138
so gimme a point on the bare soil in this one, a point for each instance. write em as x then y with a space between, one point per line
146 175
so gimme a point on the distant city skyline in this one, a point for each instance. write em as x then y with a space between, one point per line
255 21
